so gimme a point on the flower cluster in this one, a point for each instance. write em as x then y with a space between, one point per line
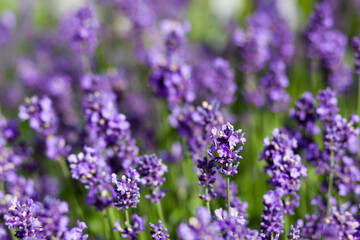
151 170
206 175
284 166
83 39
322 39
91 170
158 232
266 43
272 217
21 215
225 148
126 189
233 226
40 114
195 124
105 123
200 227
132 229
304 113
356 45
217 80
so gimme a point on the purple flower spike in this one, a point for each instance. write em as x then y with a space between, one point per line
83 39
206 175
200 227
233 227
40 114
226 147
21 215
158 232
272 217
127 189
195 124
356 45
91 170
7 24
327 108
294 233
304 113
76 233
284 167
152 170
132 229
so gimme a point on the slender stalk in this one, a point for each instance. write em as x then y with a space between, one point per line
286 225
160 212
228 194
272 236
66 175
127 221
358 96
110 213
331 179
2 187
207 197
106 225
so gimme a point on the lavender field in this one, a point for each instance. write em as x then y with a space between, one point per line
179 119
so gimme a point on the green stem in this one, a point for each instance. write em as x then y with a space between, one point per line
207 197
331 179
228 194
160 212
105 223
272 236
66 175
358 96
116 234
127 221
286 225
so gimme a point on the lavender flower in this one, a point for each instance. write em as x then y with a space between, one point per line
7 24
132 229
356 45
83 39
51 214
40 114
304 113
343 224
195 124
272 217
174 82
225 148
327 108
206 175
152 170
284 167
274 84
174 34
217 81
158 232
321 37
76 232
56 147
233 227
294 233
127 189
340 133
347 177
200 227
21 215
91 170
